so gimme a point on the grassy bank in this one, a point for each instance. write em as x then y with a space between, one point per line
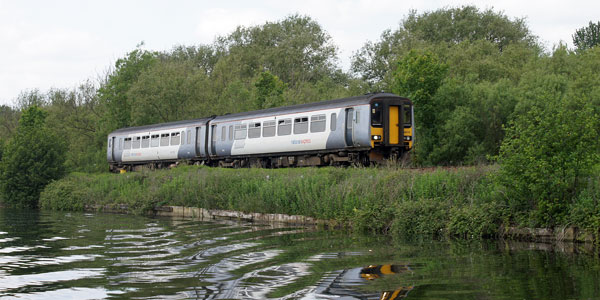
463 202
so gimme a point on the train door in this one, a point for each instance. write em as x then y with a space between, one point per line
349 134
111 148
394 124
213 140
197 141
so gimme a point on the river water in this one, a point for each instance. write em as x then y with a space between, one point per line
57 255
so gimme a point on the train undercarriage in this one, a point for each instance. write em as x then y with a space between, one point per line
359 157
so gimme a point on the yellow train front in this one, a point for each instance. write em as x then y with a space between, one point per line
392 127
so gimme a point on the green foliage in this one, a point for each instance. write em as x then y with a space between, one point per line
113 93
476 221
418 77
587 37
423 218
440 30
550 150
32 158
269 91
168 91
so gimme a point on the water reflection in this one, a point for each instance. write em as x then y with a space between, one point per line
47 255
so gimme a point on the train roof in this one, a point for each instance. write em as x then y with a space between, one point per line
161 126
358 100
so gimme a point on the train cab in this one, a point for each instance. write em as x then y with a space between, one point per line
392 127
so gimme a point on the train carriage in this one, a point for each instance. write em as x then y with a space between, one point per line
361 129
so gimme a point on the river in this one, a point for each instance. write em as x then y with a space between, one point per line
60 255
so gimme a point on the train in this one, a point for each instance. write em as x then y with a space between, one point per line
359 130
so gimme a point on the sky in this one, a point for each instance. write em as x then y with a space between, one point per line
62 43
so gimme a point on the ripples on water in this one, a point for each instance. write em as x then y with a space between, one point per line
50 255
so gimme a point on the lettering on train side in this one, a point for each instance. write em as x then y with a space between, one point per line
300 142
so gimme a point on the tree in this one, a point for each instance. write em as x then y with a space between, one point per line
296 49
587 37
437 31
170 90
113 92
31 159
418 77
548 151
269 91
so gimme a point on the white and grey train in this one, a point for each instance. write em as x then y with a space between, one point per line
359 130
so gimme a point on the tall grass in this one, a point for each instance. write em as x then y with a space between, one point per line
462 202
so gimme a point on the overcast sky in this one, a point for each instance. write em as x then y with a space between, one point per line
46 44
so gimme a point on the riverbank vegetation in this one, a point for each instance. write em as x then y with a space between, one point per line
465 202
485 90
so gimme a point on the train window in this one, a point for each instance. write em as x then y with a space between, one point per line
357 119
127 145
175 138
154 140
376 115
136 143
223 132
183 137
146 141
317 123
230 132
284 127
120 143
240 131
189 137
254 130
333 124
268 128
407 114
164 139
301 125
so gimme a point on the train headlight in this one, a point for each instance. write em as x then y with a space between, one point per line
376 138
407 138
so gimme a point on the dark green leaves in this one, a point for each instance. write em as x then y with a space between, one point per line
31 159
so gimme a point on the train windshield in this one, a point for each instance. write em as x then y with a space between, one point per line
407 115
376 115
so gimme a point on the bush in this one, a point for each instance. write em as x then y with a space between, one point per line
32 159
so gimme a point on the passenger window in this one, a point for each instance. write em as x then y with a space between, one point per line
268 128
357 119
120 143
240 131
136 142
175 138
164 139
146 141
154 140
223 132
284 127
333 124
231 132
301 125
254 130
189 137
317 123
183 137
127 145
